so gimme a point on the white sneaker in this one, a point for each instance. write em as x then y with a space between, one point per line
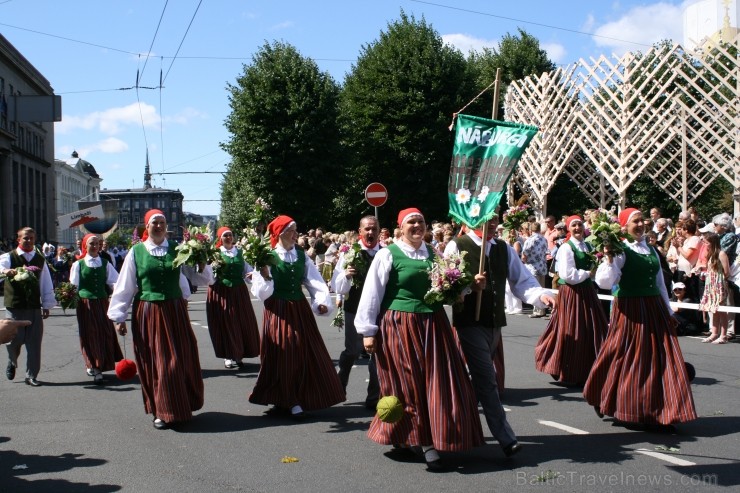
90 372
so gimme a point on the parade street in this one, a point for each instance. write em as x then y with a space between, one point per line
70 435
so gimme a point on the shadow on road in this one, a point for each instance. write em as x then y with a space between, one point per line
13 479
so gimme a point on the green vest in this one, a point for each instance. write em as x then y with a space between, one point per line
638 275
20 298
288 278
231 274
583 262
493 303
352 300
92 280
408 282
156 277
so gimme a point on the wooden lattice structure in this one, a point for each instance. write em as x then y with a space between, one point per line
672 114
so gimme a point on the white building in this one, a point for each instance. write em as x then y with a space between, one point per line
716 20
76 179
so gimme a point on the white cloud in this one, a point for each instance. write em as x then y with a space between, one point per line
646 25
466 43
555 52
283 25
111 121
185 116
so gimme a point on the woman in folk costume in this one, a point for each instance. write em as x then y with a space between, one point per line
164 343
639 376
231 320
418 354
296 373
91 274
573 337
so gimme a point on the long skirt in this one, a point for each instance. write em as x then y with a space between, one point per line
231 322
640 376
573 337
167 359
296 368
419 361
98 339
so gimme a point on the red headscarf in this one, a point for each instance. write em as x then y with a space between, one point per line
277 226
151 214
83 245
572 218
407 213
625 215
220 233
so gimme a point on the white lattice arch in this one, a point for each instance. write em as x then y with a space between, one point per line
669 113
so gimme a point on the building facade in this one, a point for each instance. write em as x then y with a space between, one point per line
76 180
26 151
133 203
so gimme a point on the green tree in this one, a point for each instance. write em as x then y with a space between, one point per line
395 107
284 140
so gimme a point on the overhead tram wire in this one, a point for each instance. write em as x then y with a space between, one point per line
156 31
182 41
575 31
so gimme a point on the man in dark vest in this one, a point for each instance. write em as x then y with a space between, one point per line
347 281
26 299
479 338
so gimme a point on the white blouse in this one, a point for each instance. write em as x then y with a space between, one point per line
609 274
126 287
316 285
375 283
94 263
339 281
566 262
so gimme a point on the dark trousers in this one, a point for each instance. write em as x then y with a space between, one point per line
30 336
352 348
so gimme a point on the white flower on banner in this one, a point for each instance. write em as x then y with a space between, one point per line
483 194
463 196
475 210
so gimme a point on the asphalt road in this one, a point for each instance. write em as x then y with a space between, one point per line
72 436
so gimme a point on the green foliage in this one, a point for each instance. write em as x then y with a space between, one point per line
395 108
284 140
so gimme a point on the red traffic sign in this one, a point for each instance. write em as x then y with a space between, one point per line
376 194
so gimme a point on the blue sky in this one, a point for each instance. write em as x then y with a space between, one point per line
88 49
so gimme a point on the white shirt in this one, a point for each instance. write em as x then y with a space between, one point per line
566 262
45 285
339 282
231 252
377 279
522 283
316 285
126 287
93 262
608 275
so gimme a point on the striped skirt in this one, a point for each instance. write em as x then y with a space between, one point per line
573 337
167 359
231 322
295 366
419 360
98 338
640 376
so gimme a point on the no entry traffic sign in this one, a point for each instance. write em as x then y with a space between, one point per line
376 194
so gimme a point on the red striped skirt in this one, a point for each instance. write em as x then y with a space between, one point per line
232 324
639 375
296 368
98 339
420 361
573 337
167 359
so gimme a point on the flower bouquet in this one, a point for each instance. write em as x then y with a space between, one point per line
256 249
261 215
217 262
352 255
338 320
196 248
135 238
66 294
606 232
517 215
25 278
450 277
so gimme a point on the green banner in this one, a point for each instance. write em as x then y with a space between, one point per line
483 159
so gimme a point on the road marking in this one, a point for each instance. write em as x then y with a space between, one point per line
195 323
559 426
665 457
506 409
